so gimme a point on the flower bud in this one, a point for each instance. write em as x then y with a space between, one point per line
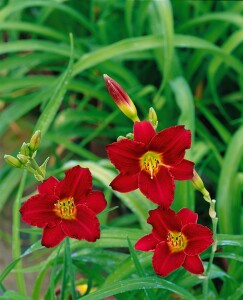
24 159
199 185
121 98
130 136
212 213
153 117
35 141
25 150
120 137
12 161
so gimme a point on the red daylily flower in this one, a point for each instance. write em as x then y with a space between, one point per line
66 208
152 161
176 241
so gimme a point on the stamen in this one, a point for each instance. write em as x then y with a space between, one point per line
65 208
151 162
176 241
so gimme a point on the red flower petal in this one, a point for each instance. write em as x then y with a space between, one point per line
160 189
172 143
125 155
187 216
96 201
48 186
164 261
125 183
146 243
143 132
193 264
77 183
182 171
39 211
51 237
163 221
85 226
199 238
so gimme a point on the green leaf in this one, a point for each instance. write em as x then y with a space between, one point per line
219 127
137 284
53 105
228 215
12 295
230 240
163 10
127 267
10 181
14 7
149 294
185 102
9 268
33 28
228 17
68 270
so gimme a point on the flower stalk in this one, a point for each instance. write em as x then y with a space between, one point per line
199 185
16 245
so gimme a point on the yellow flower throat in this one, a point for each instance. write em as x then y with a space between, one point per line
150 162
65 209
176 241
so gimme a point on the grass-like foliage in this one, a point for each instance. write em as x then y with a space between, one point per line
184 59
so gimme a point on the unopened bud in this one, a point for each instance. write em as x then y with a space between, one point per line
130 136
153 117
24 159
12 161
121 98
199 185
212 213
120 137
25 150
35 141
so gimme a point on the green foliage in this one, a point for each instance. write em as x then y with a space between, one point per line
184 58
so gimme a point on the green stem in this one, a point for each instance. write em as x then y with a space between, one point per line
136 119
214 245
36 167
16 245
212 214
70 266
2 287
30 169
68 274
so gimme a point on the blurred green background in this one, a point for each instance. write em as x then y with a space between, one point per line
184 58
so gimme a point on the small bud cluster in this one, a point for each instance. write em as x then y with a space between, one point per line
26 157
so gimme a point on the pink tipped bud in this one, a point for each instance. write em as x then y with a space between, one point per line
121 98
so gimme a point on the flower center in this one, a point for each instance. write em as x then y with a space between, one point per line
65 209
176 241
150 162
